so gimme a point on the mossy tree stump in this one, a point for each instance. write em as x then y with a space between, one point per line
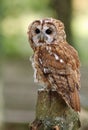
53 113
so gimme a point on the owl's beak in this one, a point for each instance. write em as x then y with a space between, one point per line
42 38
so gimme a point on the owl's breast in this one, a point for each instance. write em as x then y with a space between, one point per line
49 62
49 58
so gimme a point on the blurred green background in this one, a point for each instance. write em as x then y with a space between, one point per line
15 17
17 89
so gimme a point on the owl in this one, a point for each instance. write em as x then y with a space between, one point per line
56 63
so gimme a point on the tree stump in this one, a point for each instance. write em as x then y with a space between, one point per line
52 113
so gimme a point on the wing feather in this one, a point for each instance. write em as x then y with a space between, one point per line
62 71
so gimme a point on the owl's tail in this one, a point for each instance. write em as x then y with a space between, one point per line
75 100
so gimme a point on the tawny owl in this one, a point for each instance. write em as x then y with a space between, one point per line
55 62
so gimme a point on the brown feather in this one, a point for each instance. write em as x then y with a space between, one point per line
75 101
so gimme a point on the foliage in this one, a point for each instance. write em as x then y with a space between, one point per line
15 17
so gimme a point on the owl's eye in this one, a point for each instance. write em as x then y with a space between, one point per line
48 31
37 31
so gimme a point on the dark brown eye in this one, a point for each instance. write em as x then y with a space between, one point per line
48 31
37 31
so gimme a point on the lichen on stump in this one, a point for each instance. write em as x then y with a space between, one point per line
52 113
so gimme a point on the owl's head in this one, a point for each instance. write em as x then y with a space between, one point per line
46 31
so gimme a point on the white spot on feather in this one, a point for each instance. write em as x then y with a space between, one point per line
56 56
40 61
35 78
61 61
46 70
35 70
41 89
48 48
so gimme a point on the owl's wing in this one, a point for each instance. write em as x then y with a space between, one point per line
60 65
